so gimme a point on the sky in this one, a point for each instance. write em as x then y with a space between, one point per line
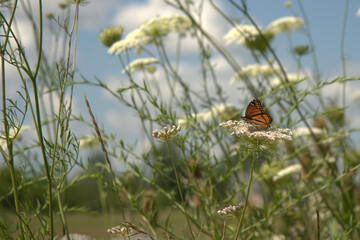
93 61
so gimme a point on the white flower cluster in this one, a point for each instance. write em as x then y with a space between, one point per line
140 64
296 168
253 133
110 35
222 112
151 31
166 134
244 32
292 78
118 230
88 142
231 210
77 236
14 132
256 70
284 25
241 33
304 131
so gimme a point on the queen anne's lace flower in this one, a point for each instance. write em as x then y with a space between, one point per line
140 64
14 132
256 70
110 35
355 95
231 210
77 236
221 112
256 134
87 142
151 31
293 78
304 131
284 25
240 33
249 36
296 168
118 230
166 134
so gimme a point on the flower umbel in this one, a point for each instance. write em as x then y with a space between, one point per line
129 230
222 112
256 70
250 36
296 168
118 230
110 35
166 134
231 210
152 31
284 25
255 134
140 64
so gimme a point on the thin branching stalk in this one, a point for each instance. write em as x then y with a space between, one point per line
247 193
38 123
9 158
180 192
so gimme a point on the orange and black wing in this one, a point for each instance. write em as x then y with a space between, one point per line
255 114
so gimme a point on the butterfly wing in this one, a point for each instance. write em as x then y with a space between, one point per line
255 114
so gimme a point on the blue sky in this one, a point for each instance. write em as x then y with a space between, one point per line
325 18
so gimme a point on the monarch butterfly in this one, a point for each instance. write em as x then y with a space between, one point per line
255 114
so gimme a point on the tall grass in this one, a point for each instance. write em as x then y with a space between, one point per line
205 174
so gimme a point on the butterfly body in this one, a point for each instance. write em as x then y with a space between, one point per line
255 114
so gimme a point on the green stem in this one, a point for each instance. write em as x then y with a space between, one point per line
247 196
181 196
62 214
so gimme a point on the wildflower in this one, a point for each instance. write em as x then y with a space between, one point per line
63 5
152 31
254 71
231 210
240 33
255 134
129 230
87 142
284 25
14 132
111 35
118 230
140 64
222 112
355 95
301 50
77 236
304 131
250 37
288 4
296 168
292 78
166 134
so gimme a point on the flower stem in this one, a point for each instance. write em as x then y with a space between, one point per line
179 188
247 196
